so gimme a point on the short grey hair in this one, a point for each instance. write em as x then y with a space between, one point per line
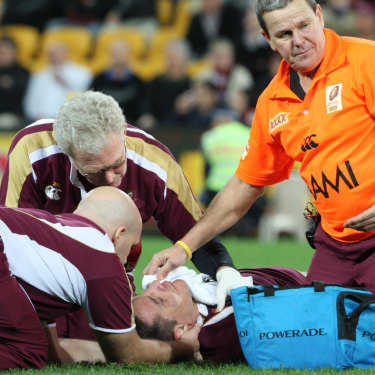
264 6
84 123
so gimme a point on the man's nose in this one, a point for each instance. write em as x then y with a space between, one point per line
298 38
109 176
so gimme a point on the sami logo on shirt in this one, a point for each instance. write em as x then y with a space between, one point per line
280 119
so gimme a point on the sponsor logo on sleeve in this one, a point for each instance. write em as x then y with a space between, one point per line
333 98
279 120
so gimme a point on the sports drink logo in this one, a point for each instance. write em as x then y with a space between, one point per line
280 119
290 333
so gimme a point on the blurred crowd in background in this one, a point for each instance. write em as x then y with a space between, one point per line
191 65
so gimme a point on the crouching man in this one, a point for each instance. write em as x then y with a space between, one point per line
61 263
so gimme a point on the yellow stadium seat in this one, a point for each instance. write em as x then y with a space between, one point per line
27 39
77 39
196 67
150 68
164 12
192 163
182 17
135 38
177 16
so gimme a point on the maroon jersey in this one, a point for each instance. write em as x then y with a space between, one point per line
218 337
67 262
39 175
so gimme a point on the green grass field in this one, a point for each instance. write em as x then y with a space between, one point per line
246 253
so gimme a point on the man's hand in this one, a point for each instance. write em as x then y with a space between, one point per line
228 278
364 222
167 260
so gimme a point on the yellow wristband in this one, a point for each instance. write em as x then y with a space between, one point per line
186 248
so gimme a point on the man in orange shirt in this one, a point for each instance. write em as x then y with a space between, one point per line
318 110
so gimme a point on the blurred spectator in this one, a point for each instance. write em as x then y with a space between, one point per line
89 13
365 19
340 17
26 12
221 146
138 13
13 83
195 107
216 19
49 87
164 89
119 81
252 49
227 77
243 103
263 80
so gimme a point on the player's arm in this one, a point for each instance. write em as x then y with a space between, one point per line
82 350
180 205
364 222
129 347
56 353
226 209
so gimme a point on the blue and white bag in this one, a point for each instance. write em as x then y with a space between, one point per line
305 327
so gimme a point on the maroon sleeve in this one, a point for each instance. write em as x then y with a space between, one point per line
110 304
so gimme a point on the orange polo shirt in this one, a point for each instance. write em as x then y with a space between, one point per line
331 133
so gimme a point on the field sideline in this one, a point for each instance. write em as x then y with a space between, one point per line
246 253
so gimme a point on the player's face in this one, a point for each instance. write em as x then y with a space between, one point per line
296 32
171 300
106 169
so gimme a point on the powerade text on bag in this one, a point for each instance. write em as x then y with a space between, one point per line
305 327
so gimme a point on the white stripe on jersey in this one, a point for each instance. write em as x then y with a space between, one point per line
136 130
42 121
42 153
87 235
149 165
111 330
220 316
43 268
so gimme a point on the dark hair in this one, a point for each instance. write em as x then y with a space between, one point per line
159 329
9 40
264 6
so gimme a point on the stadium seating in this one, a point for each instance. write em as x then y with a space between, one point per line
27 39
134 37
77 39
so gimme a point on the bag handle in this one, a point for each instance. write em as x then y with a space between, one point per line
347 324
269 290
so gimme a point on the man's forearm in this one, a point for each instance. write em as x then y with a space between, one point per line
226 209
129 347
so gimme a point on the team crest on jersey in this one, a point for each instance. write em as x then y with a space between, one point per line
53 191
333 98
280 119
132 195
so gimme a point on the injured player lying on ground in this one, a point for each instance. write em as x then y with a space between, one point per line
167 310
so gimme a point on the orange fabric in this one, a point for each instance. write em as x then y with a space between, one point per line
331 133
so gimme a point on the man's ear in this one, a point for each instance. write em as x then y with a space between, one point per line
267 37
180 329
117 234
